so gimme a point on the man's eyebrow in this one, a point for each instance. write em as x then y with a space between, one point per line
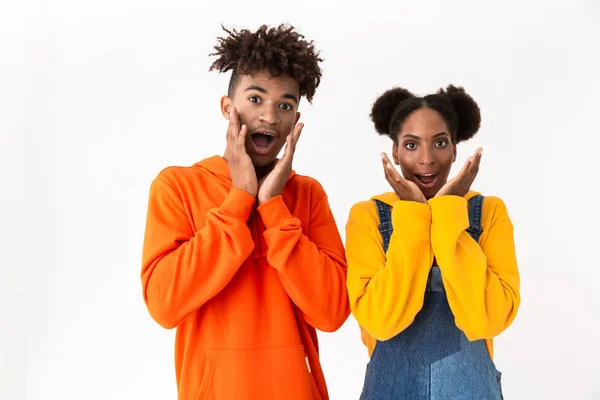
291 97
257 88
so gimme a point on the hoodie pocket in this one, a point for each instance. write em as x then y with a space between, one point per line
209 370
280 373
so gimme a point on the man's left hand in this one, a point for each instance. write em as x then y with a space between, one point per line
272 185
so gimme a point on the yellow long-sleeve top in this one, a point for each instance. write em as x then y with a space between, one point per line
387 291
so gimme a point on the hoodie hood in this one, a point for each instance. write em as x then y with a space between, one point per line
390 198
219 167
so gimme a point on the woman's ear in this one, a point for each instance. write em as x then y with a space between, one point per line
395 153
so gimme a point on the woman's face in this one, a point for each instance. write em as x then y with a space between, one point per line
425 151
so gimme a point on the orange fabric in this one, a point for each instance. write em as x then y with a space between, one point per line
245 286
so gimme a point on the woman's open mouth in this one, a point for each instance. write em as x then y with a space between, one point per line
426 181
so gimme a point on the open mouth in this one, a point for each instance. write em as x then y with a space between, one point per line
426 180
263 140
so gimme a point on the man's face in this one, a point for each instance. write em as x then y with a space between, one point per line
268 106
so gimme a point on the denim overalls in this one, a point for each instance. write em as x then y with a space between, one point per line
431 359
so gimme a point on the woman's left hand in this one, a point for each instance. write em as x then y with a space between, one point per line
461 183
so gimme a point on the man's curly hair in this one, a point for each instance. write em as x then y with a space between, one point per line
279 50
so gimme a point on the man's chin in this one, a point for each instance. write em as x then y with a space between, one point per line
260 161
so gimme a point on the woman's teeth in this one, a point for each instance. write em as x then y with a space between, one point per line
426 178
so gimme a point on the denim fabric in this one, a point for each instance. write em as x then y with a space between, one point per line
432 359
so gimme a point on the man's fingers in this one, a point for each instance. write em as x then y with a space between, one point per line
234 117
241 136
238 144
233 129
296 134
288 150
290 143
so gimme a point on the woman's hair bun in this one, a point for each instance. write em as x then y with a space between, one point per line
384 107
467 111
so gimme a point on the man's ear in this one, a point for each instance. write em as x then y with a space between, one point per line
395 154
297 118
226 103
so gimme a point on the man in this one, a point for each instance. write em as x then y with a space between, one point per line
241 254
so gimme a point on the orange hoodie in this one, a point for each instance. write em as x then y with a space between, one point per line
245 286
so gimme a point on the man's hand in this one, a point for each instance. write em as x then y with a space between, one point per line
405 189
461 183
272 184
241 168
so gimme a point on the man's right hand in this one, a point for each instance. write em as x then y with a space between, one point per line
241 168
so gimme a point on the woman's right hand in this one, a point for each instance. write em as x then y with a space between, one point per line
405 189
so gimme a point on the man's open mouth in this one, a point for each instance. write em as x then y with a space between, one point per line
263 139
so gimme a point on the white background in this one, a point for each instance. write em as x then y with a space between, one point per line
97 97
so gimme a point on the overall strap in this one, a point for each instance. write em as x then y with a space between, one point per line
475 211
385 222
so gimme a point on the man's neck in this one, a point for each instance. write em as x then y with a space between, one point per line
261 172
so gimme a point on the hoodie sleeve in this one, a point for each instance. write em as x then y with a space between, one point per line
311 266
481 280
386 289
181 268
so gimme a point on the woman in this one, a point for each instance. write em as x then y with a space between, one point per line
432 270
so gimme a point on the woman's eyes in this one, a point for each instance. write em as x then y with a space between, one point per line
439 143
